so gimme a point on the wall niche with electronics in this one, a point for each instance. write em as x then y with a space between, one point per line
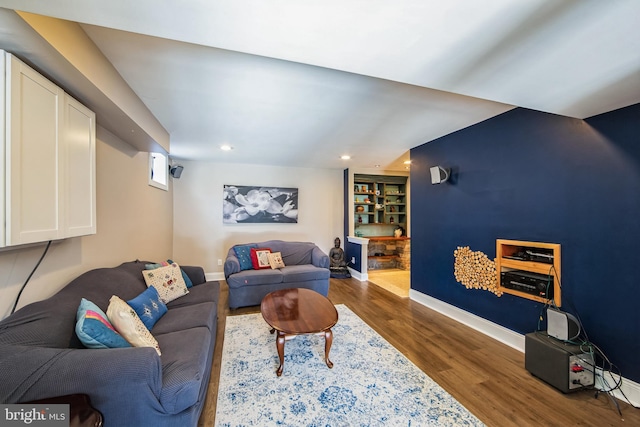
529 270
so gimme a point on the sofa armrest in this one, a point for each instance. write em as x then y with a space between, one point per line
319 258
195 273
231 265
108 376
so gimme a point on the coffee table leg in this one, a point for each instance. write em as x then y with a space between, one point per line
280 346
328 339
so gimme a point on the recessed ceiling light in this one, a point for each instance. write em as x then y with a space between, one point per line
226 147
345 157
377 166
407 162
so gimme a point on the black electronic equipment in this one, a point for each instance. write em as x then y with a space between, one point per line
567 367
533 254
531 283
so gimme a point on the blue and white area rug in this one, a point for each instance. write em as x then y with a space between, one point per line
371 383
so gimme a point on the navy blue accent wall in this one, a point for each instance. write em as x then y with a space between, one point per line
354 251
528 175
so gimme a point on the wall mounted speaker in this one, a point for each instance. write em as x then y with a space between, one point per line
176 171
439 174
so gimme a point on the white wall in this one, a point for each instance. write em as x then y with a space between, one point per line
200 237
135 221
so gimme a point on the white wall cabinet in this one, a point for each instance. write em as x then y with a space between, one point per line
48 145
79 150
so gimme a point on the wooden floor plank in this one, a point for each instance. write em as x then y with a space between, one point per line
484 375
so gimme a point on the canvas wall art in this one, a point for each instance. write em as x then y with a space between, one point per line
252 204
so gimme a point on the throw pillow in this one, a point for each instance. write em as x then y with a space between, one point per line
243 252
129 325
155 265
185 277
167 281
275 260
260 258
148 306
94 329
187 280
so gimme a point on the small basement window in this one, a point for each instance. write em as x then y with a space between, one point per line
159 171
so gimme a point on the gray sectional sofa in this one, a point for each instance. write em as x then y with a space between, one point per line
41 356
306 266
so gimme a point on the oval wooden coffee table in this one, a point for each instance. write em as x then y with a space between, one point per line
296 312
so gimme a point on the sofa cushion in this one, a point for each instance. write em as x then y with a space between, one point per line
243 253
129 325
184 362
182 318
204 292
254 277
148 306
94 329
293 253
303 273
167 281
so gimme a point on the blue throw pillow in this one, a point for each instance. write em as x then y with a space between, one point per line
148 306
243 253
94 329
187 280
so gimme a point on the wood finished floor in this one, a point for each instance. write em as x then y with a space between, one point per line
487 377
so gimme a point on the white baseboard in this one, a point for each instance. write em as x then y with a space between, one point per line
630 388
513 339
214 276
495 331
363 277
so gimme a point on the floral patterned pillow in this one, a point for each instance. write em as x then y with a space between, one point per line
168 282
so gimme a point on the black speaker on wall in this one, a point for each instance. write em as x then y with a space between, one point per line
176 171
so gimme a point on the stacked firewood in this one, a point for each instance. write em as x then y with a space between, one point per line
475 270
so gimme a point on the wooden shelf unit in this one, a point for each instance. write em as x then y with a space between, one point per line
506 248
382 200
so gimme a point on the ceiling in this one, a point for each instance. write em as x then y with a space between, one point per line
300 83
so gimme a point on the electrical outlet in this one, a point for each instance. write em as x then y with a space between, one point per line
219 262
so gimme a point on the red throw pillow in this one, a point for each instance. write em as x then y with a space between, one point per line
260 258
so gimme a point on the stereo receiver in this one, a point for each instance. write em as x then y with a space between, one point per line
531 283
